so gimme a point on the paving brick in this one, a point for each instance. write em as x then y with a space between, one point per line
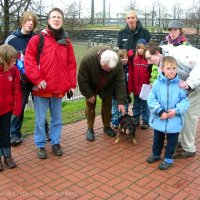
98 170
101 194
180 196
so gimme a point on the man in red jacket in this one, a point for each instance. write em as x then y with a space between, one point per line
52 78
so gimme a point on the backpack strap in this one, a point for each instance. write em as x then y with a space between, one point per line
40 46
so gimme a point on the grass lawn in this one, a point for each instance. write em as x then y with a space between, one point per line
72 110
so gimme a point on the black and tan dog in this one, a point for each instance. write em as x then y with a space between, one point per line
127 127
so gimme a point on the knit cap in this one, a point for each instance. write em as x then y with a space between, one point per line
141 41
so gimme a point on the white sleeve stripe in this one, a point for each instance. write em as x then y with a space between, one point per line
10 37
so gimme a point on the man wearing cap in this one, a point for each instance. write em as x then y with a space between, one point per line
133 31
176 35
187 58
100 73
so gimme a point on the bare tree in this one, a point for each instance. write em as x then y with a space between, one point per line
11 11
176 10
72 13
193 17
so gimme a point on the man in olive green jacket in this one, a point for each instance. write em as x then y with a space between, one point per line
101 73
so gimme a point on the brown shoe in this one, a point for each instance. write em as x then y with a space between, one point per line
41 153
1 166
9 162
184 154
57 150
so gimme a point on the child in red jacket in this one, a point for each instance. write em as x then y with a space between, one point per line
10 100
139 74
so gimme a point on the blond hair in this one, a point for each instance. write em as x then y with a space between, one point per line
25 18
139 46
131 12
122 53
7 54
169 60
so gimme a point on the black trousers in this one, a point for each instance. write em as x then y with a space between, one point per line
5 146
158 141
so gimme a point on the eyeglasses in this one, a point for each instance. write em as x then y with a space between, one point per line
148 58
56 17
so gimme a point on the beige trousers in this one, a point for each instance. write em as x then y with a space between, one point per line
188 134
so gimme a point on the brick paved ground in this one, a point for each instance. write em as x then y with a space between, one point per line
98 170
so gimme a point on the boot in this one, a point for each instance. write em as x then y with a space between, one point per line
1 166
9 162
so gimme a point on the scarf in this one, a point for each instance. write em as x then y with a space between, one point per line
179 40
59 34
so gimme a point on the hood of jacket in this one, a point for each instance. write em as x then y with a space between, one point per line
19 34
162 78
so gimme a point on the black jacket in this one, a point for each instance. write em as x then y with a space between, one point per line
128 38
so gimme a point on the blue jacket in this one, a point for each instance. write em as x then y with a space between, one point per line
166 94
18 40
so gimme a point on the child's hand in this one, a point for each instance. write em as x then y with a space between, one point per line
164 116
171 113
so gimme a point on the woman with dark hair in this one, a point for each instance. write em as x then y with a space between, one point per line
176 35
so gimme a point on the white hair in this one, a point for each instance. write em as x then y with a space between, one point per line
110 58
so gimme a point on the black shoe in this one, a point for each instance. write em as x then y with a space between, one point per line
42 153
184 154
90 135
152 159
144 126
57 150
48 137
164 165
15 141
1 166
9 162
109 131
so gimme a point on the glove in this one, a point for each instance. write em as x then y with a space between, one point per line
20 66
69 94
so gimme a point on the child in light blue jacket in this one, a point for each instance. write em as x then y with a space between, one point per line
167 103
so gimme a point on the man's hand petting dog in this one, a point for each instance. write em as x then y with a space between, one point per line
121 108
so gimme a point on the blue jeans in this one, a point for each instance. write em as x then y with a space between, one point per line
158 141
140 107
115 112
41 106
16 121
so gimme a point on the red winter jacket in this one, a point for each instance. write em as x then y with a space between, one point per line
139 73
10 92
57 66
